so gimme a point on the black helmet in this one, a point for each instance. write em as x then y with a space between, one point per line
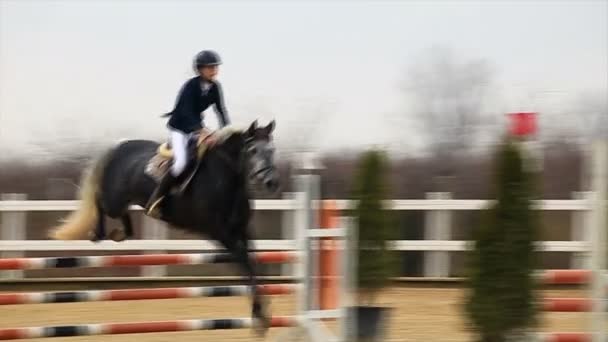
206 58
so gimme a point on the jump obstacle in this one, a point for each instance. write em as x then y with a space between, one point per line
314 302
311 307
595 277
138 327
141 294
138 260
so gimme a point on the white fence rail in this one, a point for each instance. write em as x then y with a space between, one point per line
436 246
260 245
286 204
12 205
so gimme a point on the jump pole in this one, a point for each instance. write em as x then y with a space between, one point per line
599 223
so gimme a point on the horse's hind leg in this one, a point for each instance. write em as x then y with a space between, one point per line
127 232
100 229
117 207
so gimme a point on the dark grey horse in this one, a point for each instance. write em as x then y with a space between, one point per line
216 202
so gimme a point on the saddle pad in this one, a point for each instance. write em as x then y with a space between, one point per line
157 167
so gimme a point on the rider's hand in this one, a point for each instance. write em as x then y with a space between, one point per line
210 140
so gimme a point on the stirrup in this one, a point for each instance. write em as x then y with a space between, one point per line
154 210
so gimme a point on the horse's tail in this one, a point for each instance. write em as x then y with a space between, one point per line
77 225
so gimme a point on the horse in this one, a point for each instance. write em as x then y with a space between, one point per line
216 202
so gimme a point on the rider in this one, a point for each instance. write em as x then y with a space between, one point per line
195 96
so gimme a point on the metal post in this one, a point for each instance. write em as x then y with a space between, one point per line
13 228
348 287
308 165
302 224
437 227
314 244
580 232
154 230
598 222
287 229
300 271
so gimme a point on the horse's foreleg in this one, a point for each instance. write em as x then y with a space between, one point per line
128 224
251 267
239 248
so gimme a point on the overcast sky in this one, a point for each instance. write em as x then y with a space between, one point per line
101 69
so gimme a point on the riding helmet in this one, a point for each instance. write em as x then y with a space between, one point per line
206 58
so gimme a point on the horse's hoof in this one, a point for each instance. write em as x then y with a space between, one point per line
261 326
117 235
94 237
261 319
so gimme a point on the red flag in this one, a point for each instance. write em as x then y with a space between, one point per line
523 123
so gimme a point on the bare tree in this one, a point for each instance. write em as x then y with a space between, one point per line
447 97
578 122
591 112
301 129
578 118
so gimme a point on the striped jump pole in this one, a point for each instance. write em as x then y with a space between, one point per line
138 260
565 277
141 294
567 305
138 327
564 337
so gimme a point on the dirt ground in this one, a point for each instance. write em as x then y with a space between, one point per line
420 314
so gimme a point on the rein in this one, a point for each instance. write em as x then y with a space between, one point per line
237 166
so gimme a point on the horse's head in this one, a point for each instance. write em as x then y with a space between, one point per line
260 155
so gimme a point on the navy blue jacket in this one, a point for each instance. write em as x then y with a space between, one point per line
192 100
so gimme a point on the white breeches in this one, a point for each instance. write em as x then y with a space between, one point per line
179 145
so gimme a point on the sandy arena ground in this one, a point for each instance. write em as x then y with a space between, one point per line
421 314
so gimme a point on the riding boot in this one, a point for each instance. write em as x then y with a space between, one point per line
159 193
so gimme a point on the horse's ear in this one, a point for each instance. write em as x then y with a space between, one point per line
252 128
270 127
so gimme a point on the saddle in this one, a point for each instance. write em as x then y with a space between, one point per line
198 143
160 163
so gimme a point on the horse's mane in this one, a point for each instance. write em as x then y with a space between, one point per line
226 132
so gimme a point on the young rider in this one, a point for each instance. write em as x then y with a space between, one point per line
195 96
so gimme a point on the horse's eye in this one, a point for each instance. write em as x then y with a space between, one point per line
253 150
